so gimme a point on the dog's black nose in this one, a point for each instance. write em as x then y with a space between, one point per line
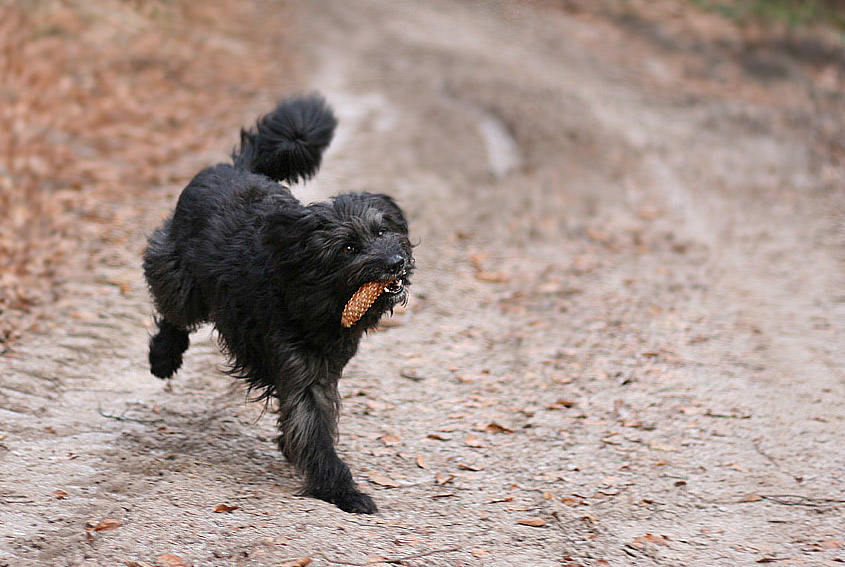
395 263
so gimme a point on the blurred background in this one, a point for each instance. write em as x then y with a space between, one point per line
102 100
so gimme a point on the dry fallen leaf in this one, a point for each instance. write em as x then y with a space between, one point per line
107 524
378 405
494 427
483 275
390 322
651 538
492 277
82 315
412 374
832 543
533 522
301 562
61 494
658 446
477 261
751 497
473 441
378 477
171 560
508 498
732 414
390 439
437 436
442 479
421 462
560 404
222 508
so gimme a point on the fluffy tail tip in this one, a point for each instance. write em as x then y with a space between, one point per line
288 143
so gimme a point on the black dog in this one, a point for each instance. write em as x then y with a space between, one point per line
273 276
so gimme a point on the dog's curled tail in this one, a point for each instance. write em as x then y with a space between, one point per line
288 143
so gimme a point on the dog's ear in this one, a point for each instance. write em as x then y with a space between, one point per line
287 228
392 213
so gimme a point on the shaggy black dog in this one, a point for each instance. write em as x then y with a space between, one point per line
273 276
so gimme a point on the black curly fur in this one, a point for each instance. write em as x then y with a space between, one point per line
273 276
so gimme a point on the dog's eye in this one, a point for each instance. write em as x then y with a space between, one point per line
381 232
349 249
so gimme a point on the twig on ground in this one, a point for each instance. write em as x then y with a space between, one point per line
784 499
798 500
388 559
122 417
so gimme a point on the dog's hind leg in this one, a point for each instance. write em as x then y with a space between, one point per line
308 421
166 348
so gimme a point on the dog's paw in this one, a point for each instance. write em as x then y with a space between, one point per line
166 350
356 503
165 368
346 497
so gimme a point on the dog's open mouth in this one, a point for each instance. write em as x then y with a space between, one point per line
366 295
395 286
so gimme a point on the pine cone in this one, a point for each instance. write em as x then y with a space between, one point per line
360 302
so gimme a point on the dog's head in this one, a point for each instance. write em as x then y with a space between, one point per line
325 252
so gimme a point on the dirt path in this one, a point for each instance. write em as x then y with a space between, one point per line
624 346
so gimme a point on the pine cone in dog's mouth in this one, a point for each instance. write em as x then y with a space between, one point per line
363 299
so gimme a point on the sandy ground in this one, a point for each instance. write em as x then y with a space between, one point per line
623 348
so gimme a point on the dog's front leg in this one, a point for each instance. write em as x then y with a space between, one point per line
308 421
